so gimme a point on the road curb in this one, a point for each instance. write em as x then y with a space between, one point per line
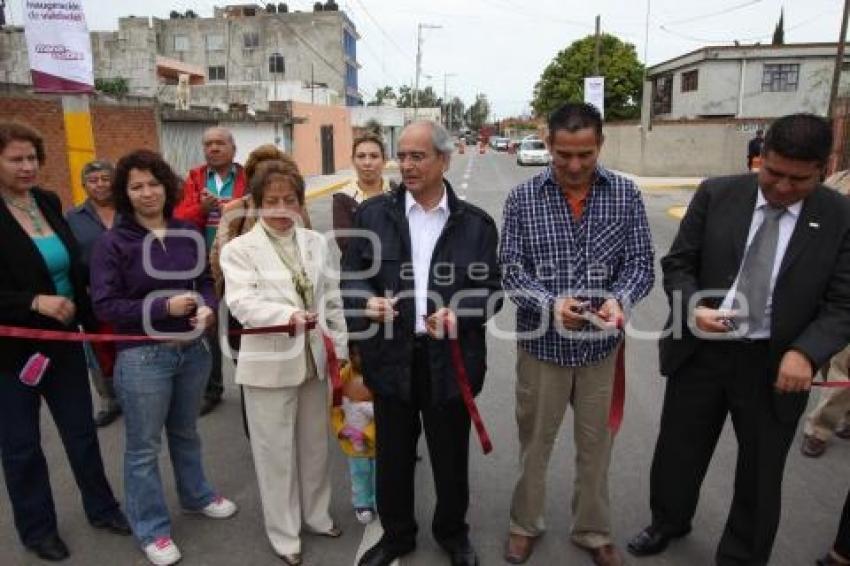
663 187
322 191
677 212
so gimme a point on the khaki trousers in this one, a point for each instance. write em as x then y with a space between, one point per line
834 404
542 393
289 440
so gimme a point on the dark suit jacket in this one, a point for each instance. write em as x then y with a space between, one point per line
23 274
811 299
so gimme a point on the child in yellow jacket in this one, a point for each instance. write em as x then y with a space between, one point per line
354 425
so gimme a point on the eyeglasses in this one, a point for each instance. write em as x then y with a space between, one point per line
96 178
415 157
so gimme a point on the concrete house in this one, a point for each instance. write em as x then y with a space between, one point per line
745 81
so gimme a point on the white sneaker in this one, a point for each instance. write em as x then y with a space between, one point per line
219 508
364 515
163 552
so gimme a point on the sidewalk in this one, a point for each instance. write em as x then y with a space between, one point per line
320 185
649 183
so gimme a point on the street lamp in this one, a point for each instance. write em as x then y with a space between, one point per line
419 65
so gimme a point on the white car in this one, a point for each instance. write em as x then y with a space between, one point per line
533 152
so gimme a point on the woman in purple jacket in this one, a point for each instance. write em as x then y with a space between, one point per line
149 275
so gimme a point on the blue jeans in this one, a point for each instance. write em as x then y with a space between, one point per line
161 385
362 472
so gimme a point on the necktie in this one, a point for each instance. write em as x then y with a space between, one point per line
754 280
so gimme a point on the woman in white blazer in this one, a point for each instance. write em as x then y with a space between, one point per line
281 273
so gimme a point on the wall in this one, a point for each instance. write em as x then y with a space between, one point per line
719 89
119 127
311 44
679 149
307 141
181 144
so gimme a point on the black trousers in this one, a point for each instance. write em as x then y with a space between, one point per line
215 385
842 539
722 378
65 388
398 425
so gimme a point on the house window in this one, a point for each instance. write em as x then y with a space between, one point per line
216 73
276 63
181 43
780 77
690 81
215 42
662 94
250 40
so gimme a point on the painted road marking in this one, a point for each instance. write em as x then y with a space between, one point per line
371 535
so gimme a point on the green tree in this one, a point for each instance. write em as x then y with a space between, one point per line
382 95
405 97
118 86
779 32
477 114
454 113
563 80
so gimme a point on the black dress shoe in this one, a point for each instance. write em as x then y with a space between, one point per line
115 524
50 548
106 418
652 541
383 554
464 556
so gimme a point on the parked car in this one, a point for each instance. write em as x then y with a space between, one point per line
533 152
471 138
500 144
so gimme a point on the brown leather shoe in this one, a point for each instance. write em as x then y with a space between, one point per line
518 548
606 555
812 446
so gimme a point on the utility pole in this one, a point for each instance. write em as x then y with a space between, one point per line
420 27
597 47
446 99
839 60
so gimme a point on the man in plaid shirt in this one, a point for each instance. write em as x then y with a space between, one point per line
576 253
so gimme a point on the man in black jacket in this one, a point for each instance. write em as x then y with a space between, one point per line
760 270
428 264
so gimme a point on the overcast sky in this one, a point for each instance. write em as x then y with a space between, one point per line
500 47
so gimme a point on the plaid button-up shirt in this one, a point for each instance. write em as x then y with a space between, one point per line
547 254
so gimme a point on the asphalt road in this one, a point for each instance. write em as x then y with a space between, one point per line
813 494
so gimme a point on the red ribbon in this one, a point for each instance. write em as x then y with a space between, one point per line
333 370
618 398
466 392
68 336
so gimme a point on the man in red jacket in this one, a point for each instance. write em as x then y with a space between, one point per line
206 189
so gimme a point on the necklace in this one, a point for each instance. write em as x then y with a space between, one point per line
30 208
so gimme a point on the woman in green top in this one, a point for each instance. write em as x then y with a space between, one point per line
42 286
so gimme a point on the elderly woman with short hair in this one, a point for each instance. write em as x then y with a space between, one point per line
280 273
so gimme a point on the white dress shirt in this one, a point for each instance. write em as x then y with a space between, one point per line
425 229
787 222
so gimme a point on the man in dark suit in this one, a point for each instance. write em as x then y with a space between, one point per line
760 270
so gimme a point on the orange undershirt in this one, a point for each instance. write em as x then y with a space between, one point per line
577 205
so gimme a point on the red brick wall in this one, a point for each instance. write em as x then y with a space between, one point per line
118 129
45 115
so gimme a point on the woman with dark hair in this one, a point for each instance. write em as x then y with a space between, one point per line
369 159
149 275
281 273
42 286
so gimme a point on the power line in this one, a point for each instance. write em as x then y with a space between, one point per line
717 13
381 29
